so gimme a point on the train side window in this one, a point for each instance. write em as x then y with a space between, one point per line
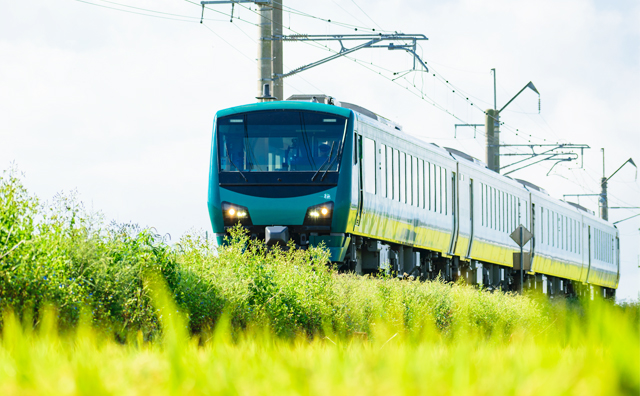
410 171
557 230
420 183
410 179
439 190
502 211
390 172
438 202
508 211
414 173
541 225
497 210
516 221
490 206
487 222
432 187
565 233
574 246
569 235
561 232
423 185
482 203
498 226
491 211
396 175
382 170
369 164
444 178
579 235
548 229
403 177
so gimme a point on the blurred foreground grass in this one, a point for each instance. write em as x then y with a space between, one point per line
94 309
594 353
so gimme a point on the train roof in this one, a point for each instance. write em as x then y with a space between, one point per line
280 105
330 100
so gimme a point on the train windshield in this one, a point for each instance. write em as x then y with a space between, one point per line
281 141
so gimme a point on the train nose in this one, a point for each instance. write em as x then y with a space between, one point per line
276 235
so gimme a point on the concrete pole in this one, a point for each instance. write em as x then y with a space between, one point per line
264 49
603 201
492 127
276 50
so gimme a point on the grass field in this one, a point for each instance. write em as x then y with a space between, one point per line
95 309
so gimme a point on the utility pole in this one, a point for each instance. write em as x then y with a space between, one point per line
265 57
492 126
271 37
269 47
603 201
277 49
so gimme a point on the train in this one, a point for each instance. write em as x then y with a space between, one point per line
316 171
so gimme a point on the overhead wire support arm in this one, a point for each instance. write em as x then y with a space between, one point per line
549 155
372 40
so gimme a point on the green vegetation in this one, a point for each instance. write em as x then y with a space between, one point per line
94 309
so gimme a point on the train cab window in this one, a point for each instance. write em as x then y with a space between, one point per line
382 170
280 141
369 162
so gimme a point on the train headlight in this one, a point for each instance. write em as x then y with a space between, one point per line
232 214
319 215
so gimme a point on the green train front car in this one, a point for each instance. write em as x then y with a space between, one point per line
283 170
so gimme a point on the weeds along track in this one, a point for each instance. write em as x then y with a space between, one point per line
59 254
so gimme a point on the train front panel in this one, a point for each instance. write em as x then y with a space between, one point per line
283 171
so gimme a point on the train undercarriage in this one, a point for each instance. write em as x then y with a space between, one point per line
366 256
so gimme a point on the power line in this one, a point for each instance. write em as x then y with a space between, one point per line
185 18
331 21
367 15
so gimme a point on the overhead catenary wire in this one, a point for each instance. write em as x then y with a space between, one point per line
163 15
410 86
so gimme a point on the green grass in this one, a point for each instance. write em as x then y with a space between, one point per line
92 309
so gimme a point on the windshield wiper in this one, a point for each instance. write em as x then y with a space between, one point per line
329 167
325 162
234 165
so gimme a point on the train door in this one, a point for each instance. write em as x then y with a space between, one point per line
454 211
470 217
360 179
617 257
532 246
588 253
